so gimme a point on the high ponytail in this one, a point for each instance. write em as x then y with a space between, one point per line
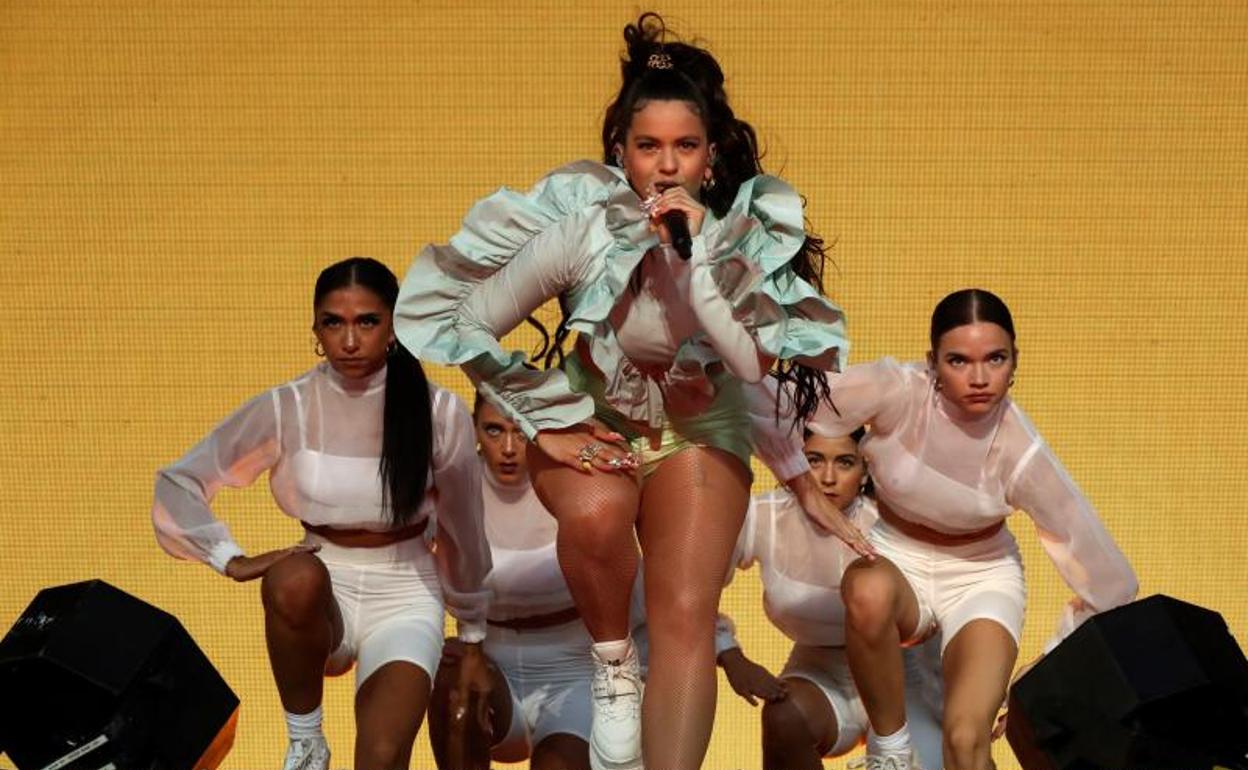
407 422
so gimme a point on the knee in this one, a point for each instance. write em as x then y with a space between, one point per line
295 589
383 753
784 728
870 600
684 614
598 533
965 741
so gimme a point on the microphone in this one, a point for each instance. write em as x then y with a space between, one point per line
678 227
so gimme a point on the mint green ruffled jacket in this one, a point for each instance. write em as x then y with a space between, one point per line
579 234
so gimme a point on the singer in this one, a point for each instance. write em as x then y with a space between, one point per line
642 429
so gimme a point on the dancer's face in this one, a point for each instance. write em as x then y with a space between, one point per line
839 467
354 327
973 365
502 445
666 146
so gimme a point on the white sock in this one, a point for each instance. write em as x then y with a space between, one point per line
304 725
614 651
897 743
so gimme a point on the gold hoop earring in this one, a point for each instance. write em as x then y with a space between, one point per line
318 350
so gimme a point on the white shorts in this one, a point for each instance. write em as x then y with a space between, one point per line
391 604
548 671
956 584
828 669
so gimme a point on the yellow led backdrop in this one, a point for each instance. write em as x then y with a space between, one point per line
175 174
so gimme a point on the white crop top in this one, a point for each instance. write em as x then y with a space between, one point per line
319 436
526 579
957 476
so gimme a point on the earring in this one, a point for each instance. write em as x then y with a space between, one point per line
391 349
938 385
318 350
709 184
1011 382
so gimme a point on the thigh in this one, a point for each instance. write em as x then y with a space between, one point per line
812 705
572 495
977 663
692 508
390 705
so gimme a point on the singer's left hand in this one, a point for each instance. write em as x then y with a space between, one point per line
677 199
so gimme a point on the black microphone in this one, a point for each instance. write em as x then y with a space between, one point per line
678 227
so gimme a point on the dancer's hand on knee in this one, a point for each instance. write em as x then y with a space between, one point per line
470 698
452 652
244 568
587 447
750 680
826 517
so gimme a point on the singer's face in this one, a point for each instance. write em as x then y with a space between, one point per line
666 147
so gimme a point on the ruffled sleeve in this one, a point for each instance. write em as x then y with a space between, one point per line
514 252
748 252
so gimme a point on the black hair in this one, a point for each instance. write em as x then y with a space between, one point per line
969 306
407 423
654 68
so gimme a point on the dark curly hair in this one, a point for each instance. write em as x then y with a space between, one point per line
695 77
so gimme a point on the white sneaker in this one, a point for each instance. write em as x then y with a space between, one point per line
615 726
903 761
307 754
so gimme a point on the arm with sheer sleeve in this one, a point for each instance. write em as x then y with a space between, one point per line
234 454
461 550
864 394
1073 536
777 440
743 558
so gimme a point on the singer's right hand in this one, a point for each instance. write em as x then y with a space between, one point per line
677 199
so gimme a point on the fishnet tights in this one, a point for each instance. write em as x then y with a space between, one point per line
691 512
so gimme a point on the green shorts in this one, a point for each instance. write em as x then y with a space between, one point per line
724 424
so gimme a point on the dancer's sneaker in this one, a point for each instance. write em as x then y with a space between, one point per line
615 729
903 760
307 754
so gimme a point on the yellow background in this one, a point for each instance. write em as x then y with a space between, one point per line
174 175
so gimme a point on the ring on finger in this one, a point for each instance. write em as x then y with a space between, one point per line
589 452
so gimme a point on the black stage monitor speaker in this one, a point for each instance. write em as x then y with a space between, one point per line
93 678
1155 684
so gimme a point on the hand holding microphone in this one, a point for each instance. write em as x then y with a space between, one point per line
676 214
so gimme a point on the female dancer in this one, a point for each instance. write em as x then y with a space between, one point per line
654 382
813 710
952 455
539 702
375 463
